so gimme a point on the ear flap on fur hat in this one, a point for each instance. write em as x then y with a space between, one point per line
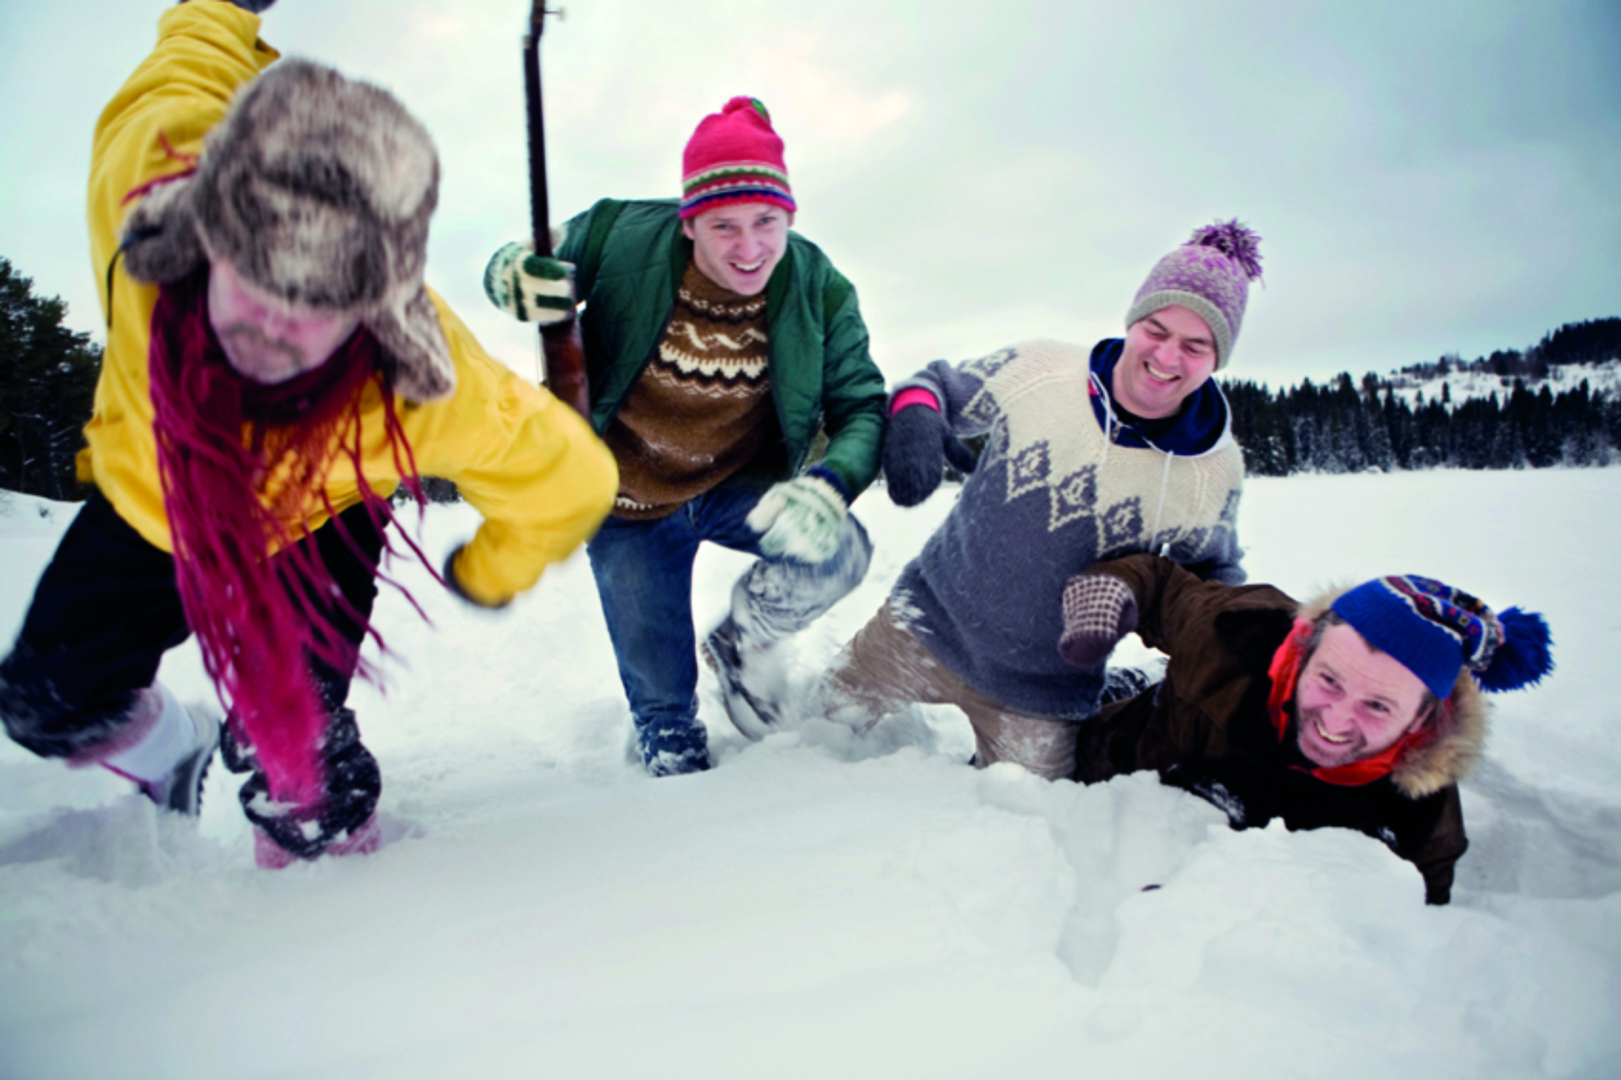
160 242
411 331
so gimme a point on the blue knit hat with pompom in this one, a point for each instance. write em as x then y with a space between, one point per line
1435 631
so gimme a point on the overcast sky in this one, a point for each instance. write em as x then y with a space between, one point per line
1427 177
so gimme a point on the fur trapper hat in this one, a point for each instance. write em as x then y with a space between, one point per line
318 189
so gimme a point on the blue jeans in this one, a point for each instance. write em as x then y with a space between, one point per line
644 577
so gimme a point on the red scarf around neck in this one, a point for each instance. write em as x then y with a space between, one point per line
1285 673
259 601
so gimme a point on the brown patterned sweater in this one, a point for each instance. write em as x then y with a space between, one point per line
701 408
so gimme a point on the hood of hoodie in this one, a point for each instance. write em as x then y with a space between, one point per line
1202 425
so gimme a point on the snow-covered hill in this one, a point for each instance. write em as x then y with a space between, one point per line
1603 378
822 905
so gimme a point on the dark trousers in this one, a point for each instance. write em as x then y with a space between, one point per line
105 611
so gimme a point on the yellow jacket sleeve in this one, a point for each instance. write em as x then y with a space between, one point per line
528 463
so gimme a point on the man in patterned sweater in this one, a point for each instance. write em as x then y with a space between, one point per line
717 344
1086 458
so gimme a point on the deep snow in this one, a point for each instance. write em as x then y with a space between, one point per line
826 905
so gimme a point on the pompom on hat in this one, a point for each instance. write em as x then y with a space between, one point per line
1436 632
735 156
1209 275
318 189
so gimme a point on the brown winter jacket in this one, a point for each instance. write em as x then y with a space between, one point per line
1206 729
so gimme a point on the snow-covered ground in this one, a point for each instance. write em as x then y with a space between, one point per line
822 905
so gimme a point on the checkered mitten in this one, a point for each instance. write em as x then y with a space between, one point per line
530 287
1099 610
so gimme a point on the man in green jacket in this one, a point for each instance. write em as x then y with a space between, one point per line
717 345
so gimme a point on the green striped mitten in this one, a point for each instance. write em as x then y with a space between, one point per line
529 287
803 517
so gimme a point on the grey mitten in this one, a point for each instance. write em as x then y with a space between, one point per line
1099 610
917 445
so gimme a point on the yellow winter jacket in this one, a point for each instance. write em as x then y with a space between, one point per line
526 462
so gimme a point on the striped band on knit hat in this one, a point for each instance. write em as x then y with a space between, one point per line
1436 631
1209 275
734 156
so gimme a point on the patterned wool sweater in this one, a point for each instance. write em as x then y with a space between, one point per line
702 407
1062 483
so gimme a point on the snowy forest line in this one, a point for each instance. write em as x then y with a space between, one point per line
1512 410
1556 403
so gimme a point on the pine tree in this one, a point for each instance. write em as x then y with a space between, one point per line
47 383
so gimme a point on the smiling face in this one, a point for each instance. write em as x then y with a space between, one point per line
265 338
1168 355
1353 701
738 246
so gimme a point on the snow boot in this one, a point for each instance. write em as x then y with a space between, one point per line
182 790
186 737
671 747
1121 683
752 714
270 855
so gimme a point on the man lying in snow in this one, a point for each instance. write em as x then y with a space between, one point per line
1360 709
274 370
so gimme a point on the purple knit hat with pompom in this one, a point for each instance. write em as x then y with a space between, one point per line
1209 275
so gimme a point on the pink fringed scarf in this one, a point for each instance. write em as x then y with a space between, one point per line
221 439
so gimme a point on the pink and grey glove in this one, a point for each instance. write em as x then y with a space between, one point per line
803 517
1099 610
529 287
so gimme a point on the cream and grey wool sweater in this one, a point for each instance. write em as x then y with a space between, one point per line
1062 483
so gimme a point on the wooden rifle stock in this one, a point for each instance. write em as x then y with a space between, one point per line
561 344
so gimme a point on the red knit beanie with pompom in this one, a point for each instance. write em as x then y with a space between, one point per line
734 157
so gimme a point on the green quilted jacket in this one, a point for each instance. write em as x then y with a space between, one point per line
629 258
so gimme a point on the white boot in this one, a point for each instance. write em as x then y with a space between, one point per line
170 761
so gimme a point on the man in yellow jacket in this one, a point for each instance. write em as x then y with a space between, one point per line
275 369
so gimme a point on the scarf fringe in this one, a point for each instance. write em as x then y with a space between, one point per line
260 599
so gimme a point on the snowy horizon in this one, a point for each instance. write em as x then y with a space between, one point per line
822 904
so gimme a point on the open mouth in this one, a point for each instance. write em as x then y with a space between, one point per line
1162 376
748 268
1326 737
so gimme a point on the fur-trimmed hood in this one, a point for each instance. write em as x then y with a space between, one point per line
1459 724
318 189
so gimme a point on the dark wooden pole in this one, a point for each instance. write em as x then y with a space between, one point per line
561 344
